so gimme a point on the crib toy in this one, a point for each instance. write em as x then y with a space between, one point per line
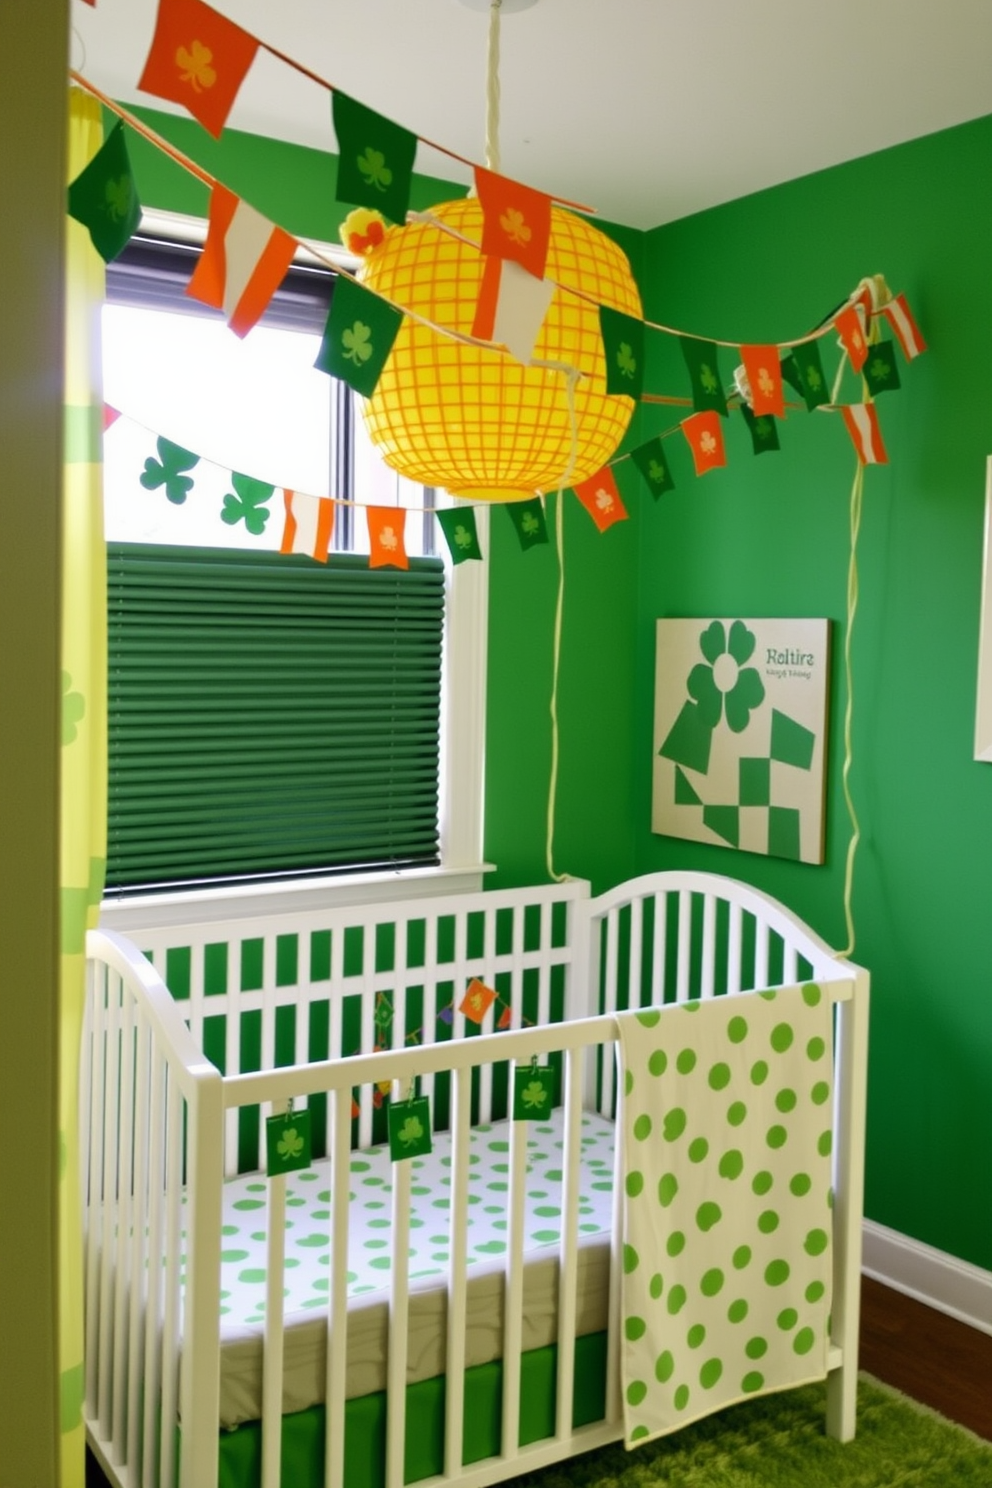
277 1110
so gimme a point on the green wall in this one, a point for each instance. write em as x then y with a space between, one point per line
769 536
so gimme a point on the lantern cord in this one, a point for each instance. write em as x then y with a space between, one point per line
492 89
857 490
571 378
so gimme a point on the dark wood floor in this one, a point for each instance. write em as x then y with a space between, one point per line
927 1355
920 1351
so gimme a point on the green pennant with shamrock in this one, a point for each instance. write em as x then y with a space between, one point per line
652 462
288 1142
359 335
763 429
375 158
880 371
529 521
533 1091
460 533
104 199
409 1128
804 369
704 372
623 344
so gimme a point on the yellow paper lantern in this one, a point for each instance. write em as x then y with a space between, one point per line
474 421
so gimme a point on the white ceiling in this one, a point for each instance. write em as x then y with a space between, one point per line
646 110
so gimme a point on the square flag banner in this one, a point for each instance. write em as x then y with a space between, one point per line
740 723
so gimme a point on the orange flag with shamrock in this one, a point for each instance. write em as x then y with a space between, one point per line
705 437
386 540
848 326
198 58
477 1001
764 375
601 499
516 221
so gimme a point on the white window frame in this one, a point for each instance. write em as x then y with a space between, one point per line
462 759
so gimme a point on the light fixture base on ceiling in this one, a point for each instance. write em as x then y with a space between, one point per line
506 6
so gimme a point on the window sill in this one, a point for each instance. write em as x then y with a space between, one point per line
153 911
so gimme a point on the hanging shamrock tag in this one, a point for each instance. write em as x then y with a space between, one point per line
533 1091
409 1127
287 1142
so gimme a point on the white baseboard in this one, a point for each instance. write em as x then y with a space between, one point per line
932 1276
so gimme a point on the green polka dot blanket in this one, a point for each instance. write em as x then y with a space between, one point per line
727 1138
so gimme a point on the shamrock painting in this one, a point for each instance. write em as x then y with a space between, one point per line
740 734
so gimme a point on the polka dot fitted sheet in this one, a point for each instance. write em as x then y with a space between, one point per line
370 1259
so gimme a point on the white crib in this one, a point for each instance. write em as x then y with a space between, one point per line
332 1009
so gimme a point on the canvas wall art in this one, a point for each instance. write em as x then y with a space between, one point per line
740 734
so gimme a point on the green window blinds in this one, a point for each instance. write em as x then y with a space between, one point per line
269 715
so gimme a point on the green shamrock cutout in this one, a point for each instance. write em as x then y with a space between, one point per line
411 1131
374 169
248 505
357 343
118 198
708 378
529 523
167 471
290 1144
656 471
534 1095
626 360
73 708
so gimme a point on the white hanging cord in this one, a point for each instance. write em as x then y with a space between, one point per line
857 490
492 90
572 378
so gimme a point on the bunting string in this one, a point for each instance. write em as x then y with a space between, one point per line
857 491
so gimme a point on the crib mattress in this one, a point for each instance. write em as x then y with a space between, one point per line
243 1262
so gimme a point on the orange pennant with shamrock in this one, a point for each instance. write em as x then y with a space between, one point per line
848 326
516 221
705 437
386 528
601 499
198 58
477 1001
764 375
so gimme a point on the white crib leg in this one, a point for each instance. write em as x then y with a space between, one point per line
850 1078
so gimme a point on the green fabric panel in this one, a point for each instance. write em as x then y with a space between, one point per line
365 1423
73 904
71 1388
83 434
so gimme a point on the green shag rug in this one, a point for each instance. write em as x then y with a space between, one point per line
779 1442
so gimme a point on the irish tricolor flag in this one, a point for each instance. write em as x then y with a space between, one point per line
900 318
243 261
862 425
308 525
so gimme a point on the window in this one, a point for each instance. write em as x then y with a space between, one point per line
270 716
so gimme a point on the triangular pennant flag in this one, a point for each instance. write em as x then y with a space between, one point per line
881 371
243 262
705 437
809 369
511 307
308 525
529 521
704 370
862 425
623 343
601 499
198 58
852 335
900 318
652 462
764 376
375 158
763 431
386 537
359 335
477 1001
516 221
460 533
110 416
103 197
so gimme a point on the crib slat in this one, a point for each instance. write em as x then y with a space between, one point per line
514 1293
684 946
790 965
430 998
109 1200
544 971
367 1026
232 1046
635 953
268 1040
398 1324
94 1192
614 1404
454 1423
124 1215
489 978
153 1271
707 987
337 1303
660 950
735 930
610 946
139 1275
761 938
568 1256
170 1328
272 1358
